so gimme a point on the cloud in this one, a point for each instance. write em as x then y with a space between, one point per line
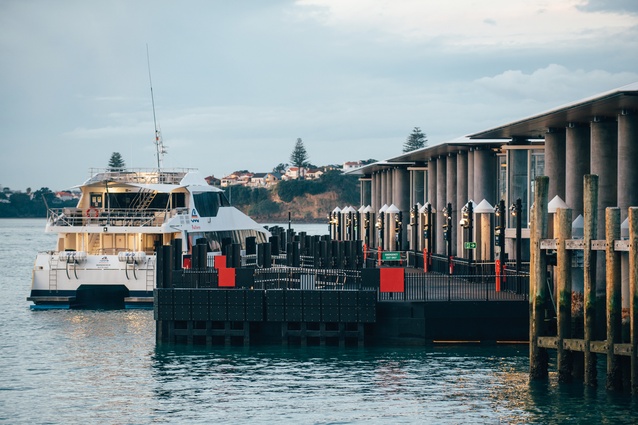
611 6
466 23
554 83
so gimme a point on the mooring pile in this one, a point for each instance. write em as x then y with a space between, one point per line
582 326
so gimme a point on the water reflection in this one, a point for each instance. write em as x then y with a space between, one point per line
104 367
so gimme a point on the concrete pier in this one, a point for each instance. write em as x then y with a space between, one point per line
577 163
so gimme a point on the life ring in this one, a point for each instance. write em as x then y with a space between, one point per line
92 212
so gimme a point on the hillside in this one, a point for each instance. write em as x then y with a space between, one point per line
307 208
307 200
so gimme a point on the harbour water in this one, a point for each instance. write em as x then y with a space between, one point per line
72 367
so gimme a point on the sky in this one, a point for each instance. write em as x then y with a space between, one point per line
236 83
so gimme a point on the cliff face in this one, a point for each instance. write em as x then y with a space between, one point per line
308 208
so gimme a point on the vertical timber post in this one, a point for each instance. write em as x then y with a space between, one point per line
633 296
614 301
563 232
538 273
590 210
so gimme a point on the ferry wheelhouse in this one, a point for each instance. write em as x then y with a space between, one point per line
105 251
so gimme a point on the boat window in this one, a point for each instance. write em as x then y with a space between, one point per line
179 200
133 200
216 239
224 200
207 203
96 200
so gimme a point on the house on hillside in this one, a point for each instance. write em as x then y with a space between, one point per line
238 177
213 181
351 165
265 179
314 173
293 173
66 196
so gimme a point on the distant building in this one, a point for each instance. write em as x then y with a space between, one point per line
314 173
65 196
351 165
238 177
213 181
293 173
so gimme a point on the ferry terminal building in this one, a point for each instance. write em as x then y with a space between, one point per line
425 190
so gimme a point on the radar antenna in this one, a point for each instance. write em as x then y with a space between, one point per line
160 149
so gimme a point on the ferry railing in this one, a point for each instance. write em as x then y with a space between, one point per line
111 217
139 175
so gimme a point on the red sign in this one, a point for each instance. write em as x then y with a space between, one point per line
392 280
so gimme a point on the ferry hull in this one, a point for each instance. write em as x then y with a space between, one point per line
100 281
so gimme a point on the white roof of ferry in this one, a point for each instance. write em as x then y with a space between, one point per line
192 181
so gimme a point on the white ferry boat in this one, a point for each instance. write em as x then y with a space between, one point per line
105 253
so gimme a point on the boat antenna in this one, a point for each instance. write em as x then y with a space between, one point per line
160 149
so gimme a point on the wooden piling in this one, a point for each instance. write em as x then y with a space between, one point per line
590 213
563 232
538 272
633 296
614 301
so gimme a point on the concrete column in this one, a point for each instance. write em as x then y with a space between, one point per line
604 164
376 194
484 176
402 190
451 197
402 201
461 198
470 176
376 198
577 141
366 191
627 162
388 187
431 178
441 199
431 196
627 180
555 161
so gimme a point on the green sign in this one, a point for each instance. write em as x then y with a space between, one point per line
391 256
470 245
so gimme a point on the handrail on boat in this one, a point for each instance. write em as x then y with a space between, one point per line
139 175
70 217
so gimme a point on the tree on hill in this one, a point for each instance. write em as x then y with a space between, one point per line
44 194
299 156
116 163
416 140
281 168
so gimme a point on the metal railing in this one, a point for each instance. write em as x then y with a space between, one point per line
111 217
424 287
443 287
139 175
303 278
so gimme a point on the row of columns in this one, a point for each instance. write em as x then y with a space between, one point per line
607 147
390 186
454 178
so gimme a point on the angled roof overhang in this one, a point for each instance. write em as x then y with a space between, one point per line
604 105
